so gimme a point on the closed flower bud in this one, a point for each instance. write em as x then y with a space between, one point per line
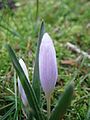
21 90
47 65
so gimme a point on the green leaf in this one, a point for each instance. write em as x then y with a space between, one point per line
63 103
15 89
37 9
36 78
32 100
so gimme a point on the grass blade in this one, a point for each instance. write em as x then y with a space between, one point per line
36 79
9 112
15 89
37 9
32 100
63 103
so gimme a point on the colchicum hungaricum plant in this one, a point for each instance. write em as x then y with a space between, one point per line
47 67
45 74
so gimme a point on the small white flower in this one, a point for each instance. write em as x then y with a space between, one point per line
21 90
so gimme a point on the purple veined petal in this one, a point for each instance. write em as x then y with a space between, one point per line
21 90
47 65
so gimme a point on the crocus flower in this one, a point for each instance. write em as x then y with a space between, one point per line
21 90
47 65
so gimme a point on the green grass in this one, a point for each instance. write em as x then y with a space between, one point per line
65 21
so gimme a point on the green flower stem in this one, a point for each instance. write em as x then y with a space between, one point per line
48 106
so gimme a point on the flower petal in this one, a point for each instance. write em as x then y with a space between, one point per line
47 64
21 90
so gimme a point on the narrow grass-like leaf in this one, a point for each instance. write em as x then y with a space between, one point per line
13 32
37 9
8 113
15 88
32 100
63 103
6 107
36 78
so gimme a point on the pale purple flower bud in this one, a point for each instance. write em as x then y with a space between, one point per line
47 65
21 90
